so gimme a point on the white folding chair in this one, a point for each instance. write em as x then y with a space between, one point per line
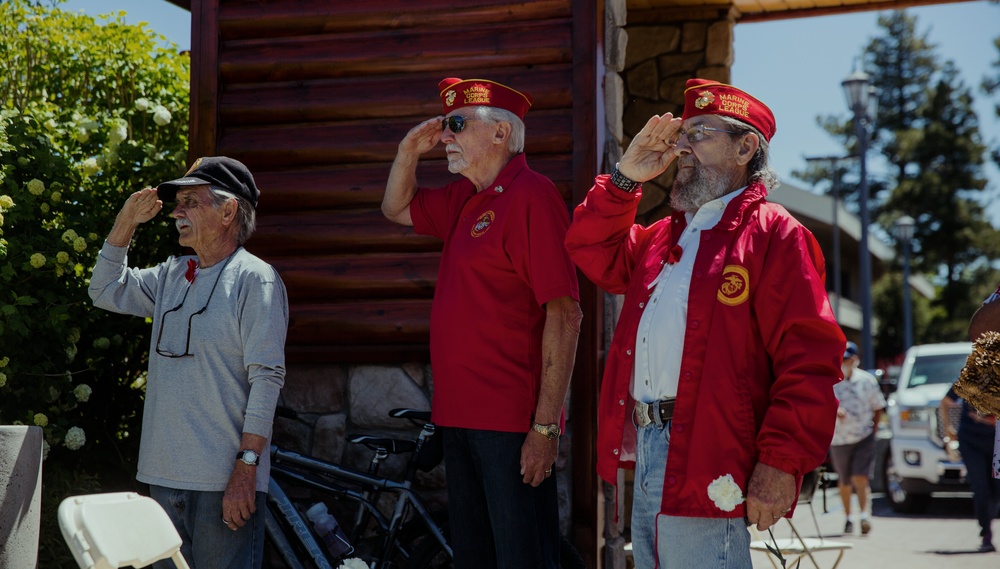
122 529
796 547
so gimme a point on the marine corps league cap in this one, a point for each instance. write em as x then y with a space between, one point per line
704 97
457 93
220 172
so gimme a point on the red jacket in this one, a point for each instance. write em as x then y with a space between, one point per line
762 349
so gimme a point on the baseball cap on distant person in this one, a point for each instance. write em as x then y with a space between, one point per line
851 351
221 172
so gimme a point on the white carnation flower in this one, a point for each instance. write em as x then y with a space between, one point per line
725 493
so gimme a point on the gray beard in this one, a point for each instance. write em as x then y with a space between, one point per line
702 186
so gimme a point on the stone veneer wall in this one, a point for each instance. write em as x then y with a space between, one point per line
335 401
648 57
647 61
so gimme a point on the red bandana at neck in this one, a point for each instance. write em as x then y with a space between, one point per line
192 271
675 255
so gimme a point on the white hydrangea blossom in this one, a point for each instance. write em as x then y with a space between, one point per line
46 447
118 132
353 563
37 260
90 167
161 115
6 202
141 104
36 186
80 244
62 257
725 493
82 392
75 438
41 420
3 379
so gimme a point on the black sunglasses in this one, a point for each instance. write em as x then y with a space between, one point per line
455 123
163 319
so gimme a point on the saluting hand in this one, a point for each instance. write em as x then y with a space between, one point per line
140 207
649 153
422 138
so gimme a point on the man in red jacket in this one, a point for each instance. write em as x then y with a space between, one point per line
726 350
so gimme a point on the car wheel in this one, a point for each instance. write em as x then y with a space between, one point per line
902 501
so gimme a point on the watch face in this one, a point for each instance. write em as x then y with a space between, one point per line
249 457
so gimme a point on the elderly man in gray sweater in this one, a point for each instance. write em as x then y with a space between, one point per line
216 362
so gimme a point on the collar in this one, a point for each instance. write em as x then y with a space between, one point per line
517 164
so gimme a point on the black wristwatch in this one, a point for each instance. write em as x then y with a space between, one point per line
249 457
623 183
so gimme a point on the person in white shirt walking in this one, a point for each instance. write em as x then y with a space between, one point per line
852 450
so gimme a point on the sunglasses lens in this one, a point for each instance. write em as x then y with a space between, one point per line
455 123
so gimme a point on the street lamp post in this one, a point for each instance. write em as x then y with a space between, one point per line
904 232
858 90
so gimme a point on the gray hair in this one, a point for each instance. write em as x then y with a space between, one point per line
759 168
246 215
515 144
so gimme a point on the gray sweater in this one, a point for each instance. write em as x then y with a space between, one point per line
197 407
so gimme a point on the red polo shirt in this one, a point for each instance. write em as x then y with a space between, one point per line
503 259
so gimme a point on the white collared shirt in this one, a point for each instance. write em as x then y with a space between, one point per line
659 342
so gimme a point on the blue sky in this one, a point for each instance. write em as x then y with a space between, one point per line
795 66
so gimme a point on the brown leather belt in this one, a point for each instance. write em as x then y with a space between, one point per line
658 412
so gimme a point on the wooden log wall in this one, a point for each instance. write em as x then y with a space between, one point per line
314 96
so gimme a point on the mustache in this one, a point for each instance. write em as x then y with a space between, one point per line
181 223
452 147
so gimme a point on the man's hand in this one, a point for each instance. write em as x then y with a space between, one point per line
770 495
140 207
649 154
538 456
240 498
422 138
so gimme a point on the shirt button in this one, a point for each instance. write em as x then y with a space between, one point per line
678 428
708 237
642 305
662 262
628 352
694 324
621 401
615 452
671 480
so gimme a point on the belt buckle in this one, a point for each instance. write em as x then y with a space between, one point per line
642 413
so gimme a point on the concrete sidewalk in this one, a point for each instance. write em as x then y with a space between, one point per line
945 536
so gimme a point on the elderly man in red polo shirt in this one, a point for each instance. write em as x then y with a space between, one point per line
504 322
726 350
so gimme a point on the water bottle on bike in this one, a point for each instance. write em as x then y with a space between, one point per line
329 531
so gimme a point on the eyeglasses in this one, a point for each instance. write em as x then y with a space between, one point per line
697 133
455 123
163 319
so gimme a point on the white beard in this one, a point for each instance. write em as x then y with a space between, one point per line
456 161
697 186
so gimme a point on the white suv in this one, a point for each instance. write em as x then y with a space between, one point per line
917 464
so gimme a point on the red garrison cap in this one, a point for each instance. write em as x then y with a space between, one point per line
704 97
457 93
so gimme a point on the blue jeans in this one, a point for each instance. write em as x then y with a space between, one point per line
208 543
496 520
673 542
977 454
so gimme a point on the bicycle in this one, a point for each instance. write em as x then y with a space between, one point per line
411 538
